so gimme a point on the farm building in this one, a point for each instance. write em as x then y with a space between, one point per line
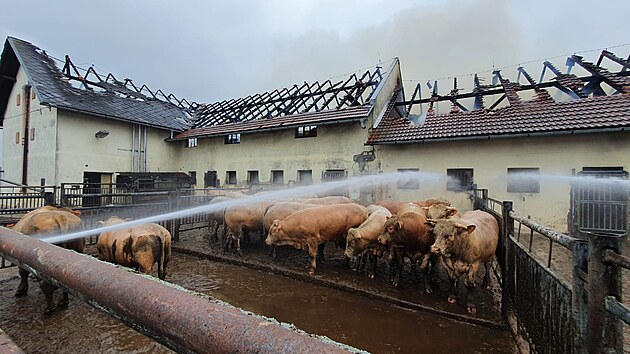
67 124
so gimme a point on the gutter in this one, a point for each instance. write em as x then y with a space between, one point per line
503 136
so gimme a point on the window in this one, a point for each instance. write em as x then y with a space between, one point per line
305 177
252 177
277 177
230 177
193 177
523 180
459 179
191 143
334 175
307 131
18 99
233 139
409 181
210 179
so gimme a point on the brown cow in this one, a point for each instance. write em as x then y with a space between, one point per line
464 244
307 229
394 205
216 219
240 220
137 246
328 200
46 220
439 211
279 211
363 240
407 235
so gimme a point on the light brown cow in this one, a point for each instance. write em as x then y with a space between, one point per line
362 241
439 211
216 219
328 200
49 220
309 228
279 211
138 246
241 220
394 205
464 244
407 235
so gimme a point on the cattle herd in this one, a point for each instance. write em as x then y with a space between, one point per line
427 233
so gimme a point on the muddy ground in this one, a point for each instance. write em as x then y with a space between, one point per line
335 273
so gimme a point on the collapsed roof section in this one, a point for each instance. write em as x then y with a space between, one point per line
75 89
587 108
310 103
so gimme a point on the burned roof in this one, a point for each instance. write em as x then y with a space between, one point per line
310 103
588 108
75 89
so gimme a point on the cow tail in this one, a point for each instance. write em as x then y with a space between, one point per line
161 252
114 251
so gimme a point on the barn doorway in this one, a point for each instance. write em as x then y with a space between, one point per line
93 184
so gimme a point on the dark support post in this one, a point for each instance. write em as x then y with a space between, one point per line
507 230
174 224
579 295
604 330
49 198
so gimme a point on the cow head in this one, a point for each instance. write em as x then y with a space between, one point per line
391 227
448 234
351 242
274 230
439 211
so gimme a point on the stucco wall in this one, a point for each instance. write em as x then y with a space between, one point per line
332 148
41 144
79 150
490 159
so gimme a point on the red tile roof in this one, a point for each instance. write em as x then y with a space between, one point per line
542 115
315 118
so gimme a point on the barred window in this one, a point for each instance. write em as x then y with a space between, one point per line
277 177
305 177
230 177
192 142
233 139
252 177
459 179
523 180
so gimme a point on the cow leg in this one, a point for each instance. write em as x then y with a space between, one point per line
312 251
371 265
471 288
228 240
398 269
452 295
425 268
48 290
320 251
63 301
22 289
486 277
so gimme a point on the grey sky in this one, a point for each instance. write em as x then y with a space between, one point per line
211 50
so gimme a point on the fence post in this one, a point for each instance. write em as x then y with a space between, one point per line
173 224
579 294
604 329
507 230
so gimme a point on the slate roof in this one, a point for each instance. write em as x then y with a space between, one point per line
53 89
539 116
351 114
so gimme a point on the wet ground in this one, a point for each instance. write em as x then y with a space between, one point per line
345 306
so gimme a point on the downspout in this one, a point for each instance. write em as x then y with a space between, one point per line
139 146
26 123
133 147
145 149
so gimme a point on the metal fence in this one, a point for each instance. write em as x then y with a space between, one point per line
579 310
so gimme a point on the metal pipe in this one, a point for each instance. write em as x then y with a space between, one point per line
26 125
139 146
145 149
133 148
184 321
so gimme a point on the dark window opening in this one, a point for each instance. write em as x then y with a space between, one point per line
193 177
192 142
277 177
230 177
409 181
523 180
210 179
459 179
252 177
305 177
233 139
307 131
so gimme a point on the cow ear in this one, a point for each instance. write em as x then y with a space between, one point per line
470 228
450 211
100 222
431 223
400 224
425 208
76 212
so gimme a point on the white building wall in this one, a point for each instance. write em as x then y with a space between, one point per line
490 159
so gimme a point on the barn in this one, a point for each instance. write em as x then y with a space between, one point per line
63 123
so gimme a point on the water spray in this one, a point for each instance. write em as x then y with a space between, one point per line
361 181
